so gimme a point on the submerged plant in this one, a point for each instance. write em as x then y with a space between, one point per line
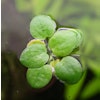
50 53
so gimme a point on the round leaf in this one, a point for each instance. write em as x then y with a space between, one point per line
39 77
42 26
62 42
35 55
69 70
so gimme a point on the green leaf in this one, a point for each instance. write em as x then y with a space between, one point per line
71 91
34 56
69 70
39 77
42 26
63 42
94 66
91 88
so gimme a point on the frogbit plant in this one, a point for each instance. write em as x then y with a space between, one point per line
50 53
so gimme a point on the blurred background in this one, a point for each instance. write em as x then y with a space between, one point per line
15 19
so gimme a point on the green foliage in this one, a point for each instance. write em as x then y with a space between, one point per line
68 70
72 91
91 88
35 55
64 41
94 67
42 27
85 15
39 77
